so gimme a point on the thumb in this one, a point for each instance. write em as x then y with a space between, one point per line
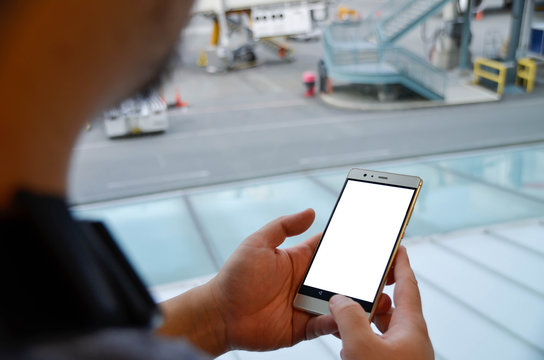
352 321
274 233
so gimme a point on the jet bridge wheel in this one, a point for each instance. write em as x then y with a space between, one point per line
245 53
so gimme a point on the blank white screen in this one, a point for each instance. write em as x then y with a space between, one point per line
359 239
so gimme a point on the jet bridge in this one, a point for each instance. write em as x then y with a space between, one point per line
260 21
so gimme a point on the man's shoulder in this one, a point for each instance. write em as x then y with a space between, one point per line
121 344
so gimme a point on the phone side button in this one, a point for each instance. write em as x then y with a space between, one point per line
402 236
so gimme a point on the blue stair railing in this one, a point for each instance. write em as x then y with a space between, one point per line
349 56
404 15
420 76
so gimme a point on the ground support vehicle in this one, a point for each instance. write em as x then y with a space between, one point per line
136 116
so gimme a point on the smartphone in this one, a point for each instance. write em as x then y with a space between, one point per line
360 241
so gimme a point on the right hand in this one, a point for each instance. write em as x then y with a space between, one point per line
405 334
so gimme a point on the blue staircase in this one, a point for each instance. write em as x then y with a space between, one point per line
364 51
402 16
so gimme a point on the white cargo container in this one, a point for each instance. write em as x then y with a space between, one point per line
270 18
281 20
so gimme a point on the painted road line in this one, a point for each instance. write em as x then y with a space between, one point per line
241 107
158 179
346 157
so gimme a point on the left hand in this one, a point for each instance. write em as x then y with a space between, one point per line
256 288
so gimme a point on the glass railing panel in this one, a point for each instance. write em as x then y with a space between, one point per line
158 236
449 202
521 171
333 180
228 216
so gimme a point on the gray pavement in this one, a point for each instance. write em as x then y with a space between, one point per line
256 123
261 138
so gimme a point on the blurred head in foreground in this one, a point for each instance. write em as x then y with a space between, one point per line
61 62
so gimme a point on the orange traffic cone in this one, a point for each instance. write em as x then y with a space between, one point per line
179 102
479 15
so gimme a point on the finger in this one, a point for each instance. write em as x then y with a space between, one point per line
383 313
391 275
352 321
306 248
302 255
309 245
274 233
382 320
319 326
383 305
406 294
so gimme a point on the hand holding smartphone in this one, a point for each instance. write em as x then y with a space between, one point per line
359 243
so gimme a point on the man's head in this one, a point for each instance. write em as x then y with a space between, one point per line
113 47
63 60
